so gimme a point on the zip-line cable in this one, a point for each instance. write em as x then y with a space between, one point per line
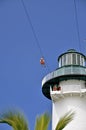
33 30
77 25
34 33
29 20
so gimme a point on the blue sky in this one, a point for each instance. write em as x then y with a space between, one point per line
21 74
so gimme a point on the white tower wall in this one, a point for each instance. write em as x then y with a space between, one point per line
78 104
71 97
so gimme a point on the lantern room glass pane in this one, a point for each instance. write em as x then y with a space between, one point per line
74 59
60 62
68 59
78 59
82 61
64 59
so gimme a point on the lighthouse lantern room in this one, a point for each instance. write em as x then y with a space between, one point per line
66 87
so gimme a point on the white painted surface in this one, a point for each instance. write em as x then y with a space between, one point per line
76 103
72 85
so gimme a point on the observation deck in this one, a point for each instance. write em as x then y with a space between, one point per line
71 66
56 95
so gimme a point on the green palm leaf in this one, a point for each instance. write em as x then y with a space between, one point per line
66 119
15 119
42 122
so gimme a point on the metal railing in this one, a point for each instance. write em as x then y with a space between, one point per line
69 70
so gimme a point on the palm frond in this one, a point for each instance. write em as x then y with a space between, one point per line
65 120
15 119
42 122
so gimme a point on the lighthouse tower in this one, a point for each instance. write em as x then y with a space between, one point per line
66 87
